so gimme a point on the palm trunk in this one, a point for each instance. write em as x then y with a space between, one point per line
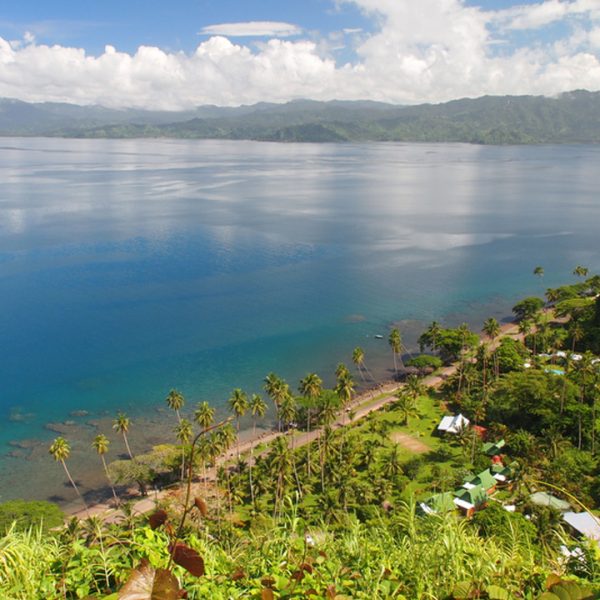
112 487
74 485
308 447
395 364
252 460
127 445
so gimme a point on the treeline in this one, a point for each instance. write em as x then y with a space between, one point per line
572 117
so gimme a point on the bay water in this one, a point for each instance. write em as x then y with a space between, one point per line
130 267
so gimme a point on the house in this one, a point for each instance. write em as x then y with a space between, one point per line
470 500
438 504
493 448
584 523
453 424
485 479
545 499
503 474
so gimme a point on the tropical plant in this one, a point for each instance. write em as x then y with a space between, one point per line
395 342
311 388
60 450
238 404
184 433
101 444
175 401
121 425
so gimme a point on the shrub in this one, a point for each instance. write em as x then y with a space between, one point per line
26 514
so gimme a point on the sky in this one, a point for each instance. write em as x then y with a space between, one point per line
178 54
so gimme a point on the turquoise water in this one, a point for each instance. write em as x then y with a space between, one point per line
130 267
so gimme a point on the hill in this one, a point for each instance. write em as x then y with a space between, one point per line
572 117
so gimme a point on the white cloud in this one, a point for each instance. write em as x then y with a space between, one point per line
429 51
534 16
252 28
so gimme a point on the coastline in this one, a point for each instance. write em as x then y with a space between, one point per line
366 402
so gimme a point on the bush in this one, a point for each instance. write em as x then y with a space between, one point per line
27 514
425 361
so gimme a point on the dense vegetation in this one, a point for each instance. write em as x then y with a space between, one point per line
341 516
572 117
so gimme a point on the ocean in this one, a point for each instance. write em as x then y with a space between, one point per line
130 267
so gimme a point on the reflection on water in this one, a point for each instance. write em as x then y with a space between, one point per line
130 267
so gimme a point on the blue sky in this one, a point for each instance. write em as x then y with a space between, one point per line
176 25
404 51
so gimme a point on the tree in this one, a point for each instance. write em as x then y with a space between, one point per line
258 408
311 388
238 403
580 271
491 328
406 404
184 433
430 336
175 401
278 390
100 445
60 451
395 342
204 415
538 272
121 425
415 387
358 358
528 308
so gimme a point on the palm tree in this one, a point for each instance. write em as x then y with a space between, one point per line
184 433
175 401
100 445
491 328
238 403
415 387
406 404
358 358
258 408
341 371
311 388
60 451
577 333
580 271
395 342
430 336
121 425
280 463
204 416
344 389
278 390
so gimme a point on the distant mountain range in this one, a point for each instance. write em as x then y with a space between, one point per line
572 117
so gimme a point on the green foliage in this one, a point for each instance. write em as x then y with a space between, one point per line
510 355
450 342
528 308
425 361
27 514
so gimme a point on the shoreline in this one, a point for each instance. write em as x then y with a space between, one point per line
363 404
